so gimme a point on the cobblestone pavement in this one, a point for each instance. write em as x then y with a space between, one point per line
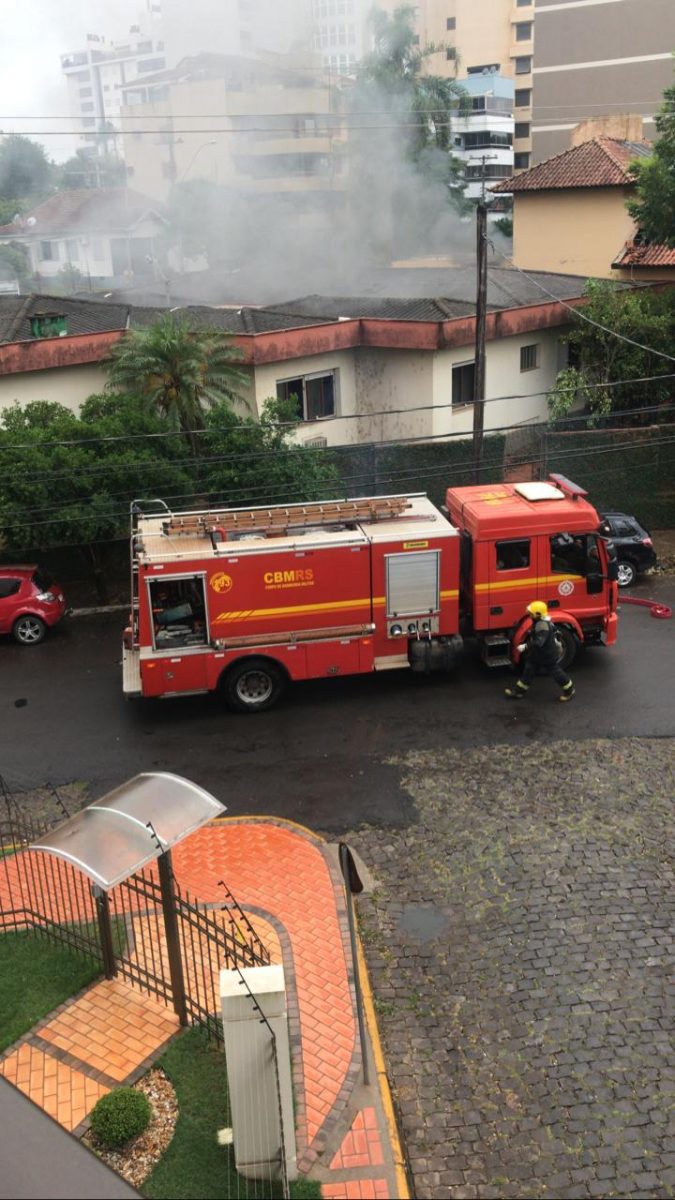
520 941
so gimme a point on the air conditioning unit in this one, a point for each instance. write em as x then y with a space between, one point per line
317 443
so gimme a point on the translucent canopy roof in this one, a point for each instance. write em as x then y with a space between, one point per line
123 831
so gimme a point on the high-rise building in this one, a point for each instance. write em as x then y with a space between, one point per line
97 74
600 58
483 138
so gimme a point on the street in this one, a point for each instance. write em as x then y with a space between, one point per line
520 934
323 755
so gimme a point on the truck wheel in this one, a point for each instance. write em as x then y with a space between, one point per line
567 644
253 685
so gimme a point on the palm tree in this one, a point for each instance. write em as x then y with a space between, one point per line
177 370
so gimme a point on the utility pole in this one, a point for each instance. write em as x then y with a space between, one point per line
481 321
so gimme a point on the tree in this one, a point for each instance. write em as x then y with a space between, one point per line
422 102
86 169
177 371
25 169
654 208
257 462
15 263
69 479
643 316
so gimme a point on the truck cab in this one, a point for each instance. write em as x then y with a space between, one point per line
532 541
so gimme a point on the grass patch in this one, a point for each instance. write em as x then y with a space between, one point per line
36 977
195 1167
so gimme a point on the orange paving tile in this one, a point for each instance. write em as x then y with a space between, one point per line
114 1028
280 871
357 1189
361 1147
64 1093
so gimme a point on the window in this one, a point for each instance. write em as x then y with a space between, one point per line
523 65
313 395
521 162
451 53
451 23
150 64
523 97
522 129
72 251
9 587
85 93
523 31
529 357
513 556
571 554
483 69
48 251
178 612
479 141
523 3
462 384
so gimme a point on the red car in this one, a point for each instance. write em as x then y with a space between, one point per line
30 601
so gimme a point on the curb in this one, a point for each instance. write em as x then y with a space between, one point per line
101 608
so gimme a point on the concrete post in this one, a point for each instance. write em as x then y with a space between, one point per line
255 1099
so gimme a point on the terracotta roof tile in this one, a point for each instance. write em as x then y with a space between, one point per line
638 254
601 162
103 209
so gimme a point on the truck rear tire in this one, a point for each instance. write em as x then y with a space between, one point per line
253 684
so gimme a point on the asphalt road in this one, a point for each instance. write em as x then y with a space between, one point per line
323 756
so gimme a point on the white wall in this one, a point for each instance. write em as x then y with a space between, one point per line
69 386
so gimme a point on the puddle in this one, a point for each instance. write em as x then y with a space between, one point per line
422 921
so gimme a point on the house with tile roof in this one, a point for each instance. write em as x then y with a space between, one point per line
101 237
349 360
569 214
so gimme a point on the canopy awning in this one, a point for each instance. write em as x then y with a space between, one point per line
123 831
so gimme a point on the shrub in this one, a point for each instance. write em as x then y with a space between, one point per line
120 1115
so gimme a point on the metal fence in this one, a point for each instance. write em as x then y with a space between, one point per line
129 931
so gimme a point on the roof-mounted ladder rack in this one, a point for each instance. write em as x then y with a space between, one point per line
278 521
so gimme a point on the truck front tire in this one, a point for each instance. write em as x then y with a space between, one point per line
253 684
568 645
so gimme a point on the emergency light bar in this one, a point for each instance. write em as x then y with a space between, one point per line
570 489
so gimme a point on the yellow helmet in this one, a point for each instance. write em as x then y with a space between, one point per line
538 608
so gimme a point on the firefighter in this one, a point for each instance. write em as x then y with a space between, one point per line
541 655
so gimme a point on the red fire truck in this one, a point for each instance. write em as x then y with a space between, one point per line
244 600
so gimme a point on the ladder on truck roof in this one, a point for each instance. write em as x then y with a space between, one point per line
279 520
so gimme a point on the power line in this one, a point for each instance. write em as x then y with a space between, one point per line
360 416
582 316
78 509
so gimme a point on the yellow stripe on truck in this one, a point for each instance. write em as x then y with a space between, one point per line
257 614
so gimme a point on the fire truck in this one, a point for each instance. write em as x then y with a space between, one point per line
243 601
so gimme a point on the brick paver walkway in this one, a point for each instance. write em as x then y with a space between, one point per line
294 898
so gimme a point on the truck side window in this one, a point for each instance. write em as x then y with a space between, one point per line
511 556
570 554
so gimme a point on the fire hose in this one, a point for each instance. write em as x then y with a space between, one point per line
663 611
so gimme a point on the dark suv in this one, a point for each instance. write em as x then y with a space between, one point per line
634 548
30 602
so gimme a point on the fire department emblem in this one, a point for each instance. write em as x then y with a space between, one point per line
221 582
566 587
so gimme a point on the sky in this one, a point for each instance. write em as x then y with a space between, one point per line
35 33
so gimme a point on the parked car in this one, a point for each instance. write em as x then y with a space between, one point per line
634 547
30 602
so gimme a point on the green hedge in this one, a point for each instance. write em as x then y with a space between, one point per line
631 470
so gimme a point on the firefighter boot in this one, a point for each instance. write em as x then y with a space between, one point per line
567 692
518 692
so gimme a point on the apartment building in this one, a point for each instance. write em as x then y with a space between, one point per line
483 139
598 58
273 129
96 75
